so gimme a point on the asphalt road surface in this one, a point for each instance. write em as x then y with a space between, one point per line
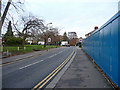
29 72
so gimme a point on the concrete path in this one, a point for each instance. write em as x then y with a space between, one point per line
82 73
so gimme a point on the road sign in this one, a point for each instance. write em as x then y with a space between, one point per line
49 39
80 40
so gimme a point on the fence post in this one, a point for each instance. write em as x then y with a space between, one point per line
7 52
18 48
1 48
24 48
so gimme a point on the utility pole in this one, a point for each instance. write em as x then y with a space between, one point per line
0 49
0 29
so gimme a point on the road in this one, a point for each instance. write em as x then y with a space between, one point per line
29 72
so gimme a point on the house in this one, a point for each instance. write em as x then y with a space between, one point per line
55 39
73 41
88 34
29 40
72 35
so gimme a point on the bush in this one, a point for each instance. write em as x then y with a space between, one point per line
14 41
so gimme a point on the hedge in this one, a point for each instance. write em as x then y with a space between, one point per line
14 41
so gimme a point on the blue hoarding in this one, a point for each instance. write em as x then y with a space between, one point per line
103 47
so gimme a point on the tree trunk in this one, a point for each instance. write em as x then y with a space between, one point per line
23 43
0 31
4 14
45 40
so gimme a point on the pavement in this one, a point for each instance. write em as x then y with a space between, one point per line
82 73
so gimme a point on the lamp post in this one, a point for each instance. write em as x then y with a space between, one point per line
45 35
48 24
49 39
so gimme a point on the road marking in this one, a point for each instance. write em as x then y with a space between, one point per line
51 77
31 64
60 52
55 54
31 56
16 60
53 73
23 59
52 56
48 76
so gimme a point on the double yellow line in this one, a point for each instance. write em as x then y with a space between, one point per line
42 83
23 59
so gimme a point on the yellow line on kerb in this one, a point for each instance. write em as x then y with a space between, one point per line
55 72
15 61
7 63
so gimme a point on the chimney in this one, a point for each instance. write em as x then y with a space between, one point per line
96 27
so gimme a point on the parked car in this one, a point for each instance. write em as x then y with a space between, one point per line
67 45
63 43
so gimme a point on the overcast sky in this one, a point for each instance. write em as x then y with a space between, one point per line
78 16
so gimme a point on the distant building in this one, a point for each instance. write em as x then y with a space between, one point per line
73 41
29 40
88 34
56 38
72 35
72 38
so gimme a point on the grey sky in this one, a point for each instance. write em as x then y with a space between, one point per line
74 15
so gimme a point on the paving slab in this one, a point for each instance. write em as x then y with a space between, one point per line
82 73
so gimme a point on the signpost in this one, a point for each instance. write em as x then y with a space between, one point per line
49 39
80 40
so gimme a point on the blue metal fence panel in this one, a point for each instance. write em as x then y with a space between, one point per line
119 49
103 47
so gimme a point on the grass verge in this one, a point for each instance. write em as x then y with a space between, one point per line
15 50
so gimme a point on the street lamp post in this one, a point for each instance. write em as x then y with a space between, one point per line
49 39
44 33
48 24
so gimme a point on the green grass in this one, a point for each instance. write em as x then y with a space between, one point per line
28 48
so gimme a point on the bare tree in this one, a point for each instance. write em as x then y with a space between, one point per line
33 27
48 32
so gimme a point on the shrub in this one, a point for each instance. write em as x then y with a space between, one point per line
14 41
